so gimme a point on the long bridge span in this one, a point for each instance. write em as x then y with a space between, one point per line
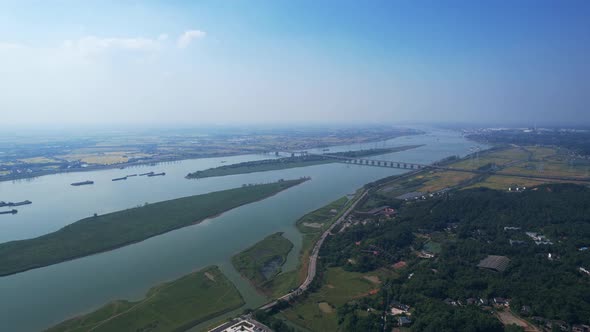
362 161
417 166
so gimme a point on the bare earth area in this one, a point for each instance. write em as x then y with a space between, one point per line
508 318
325 307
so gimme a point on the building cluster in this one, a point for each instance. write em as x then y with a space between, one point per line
558 325
401 312
382 213
538 238
498 302
245 324
425 254
516 189
417 195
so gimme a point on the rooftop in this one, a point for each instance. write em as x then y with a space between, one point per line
495 263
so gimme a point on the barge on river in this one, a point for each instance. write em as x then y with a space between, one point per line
83 183
3 204
156 174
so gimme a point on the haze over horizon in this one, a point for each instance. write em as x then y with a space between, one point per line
244 62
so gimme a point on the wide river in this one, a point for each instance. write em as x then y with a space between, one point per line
37 299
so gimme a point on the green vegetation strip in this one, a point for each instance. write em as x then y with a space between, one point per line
172 306
311 225
263 261
101 233
290 162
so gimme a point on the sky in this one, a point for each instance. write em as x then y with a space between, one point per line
281 62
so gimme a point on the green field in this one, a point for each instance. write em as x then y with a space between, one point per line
321 219
317 312
172 306
113 230
262 262
433 247
525 160
291 162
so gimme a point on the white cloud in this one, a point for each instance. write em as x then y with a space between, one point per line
90 45
187 37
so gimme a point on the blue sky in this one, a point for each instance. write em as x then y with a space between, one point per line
234 61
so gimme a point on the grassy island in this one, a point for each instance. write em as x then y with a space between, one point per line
105 232
172 306
262 262
290 162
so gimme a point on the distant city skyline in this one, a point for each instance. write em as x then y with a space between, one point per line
185 63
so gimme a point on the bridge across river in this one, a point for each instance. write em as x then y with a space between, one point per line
363 161
416 166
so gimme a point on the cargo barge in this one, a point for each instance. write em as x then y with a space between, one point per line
3 204
83 183
13 211
156 174
119 179
148 174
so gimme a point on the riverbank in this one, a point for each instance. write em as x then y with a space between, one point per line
261 263
173 306
291 162
114 230
18 167
91 168
311 226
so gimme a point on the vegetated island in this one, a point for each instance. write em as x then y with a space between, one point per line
262 262
109 231
290 162
173 306
278 283
311 226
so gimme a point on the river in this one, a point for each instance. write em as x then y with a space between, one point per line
37 299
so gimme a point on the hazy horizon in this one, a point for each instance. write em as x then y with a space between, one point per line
158 64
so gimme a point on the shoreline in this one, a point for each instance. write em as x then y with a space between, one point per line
167 160
151 293
249 167
137 241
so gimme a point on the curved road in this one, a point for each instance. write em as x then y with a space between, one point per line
313 258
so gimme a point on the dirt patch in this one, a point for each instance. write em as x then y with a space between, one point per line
312 224
210 276
371 292
507 318
399 265
325 307
373 279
